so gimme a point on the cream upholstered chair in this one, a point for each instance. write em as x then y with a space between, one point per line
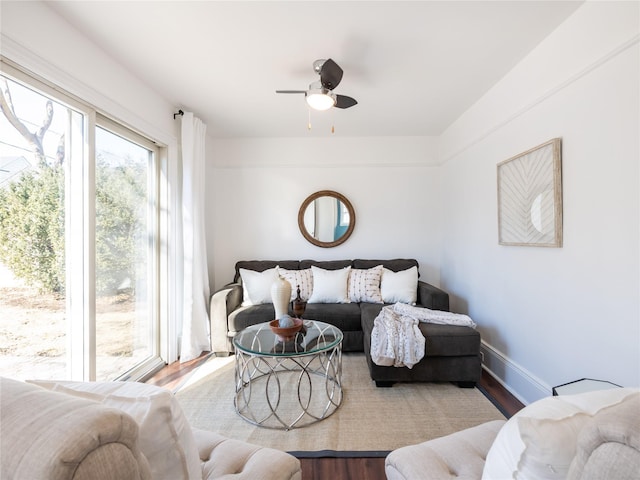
118 431
588 436
459 455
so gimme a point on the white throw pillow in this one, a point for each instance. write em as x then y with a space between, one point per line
304 278
329 286
256 286
364 285
539 442
400 286
165 437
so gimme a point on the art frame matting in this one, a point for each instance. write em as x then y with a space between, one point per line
530 197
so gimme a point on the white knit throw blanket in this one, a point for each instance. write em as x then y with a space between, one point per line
396 339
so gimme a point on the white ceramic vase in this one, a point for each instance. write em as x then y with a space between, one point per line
280 296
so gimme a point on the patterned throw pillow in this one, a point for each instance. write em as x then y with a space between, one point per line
364 285
304 278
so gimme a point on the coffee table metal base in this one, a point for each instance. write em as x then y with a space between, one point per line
283 393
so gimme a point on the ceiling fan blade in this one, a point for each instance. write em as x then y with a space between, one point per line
291 91
330 74
342 101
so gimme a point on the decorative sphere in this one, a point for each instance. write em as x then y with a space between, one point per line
285 321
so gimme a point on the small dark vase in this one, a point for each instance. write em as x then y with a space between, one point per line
298 305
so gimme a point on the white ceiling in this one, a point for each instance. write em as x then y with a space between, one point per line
414 66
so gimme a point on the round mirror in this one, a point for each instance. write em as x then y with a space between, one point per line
326 218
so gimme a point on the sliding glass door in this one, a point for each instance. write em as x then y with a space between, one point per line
37 139
126 260
79 248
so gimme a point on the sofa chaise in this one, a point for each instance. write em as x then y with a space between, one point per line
452 352
588 436
119 431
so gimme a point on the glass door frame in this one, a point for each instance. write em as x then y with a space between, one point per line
80 226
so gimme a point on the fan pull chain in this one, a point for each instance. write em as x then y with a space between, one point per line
333 128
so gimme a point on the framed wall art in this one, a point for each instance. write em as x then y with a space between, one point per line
530 197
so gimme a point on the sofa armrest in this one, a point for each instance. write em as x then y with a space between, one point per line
432 297
459 455
223 302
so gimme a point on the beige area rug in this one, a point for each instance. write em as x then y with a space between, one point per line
369 418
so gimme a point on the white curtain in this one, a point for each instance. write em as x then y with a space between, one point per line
195 319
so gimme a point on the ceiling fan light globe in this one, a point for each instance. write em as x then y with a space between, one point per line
320 101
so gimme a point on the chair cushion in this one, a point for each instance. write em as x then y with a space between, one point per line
227 458
459 455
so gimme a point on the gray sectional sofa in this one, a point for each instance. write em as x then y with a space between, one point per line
452 352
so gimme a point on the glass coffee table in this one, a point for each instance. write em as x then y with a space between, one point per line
286 383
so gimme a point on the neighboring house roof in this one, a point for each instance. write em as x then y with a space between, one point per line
11 168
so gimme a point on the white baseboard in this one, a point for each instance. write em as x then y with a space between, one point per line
521 383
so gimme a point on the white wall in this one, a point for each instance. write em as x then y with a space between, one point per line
256 187
40 41
549 316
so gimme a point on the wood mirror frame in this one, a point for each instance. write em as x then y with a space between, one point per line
309 201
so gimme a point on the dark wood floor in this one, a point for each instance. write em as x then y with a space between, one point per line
342 468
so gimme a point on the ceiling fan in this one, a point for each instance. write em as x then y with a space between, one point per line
320 95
